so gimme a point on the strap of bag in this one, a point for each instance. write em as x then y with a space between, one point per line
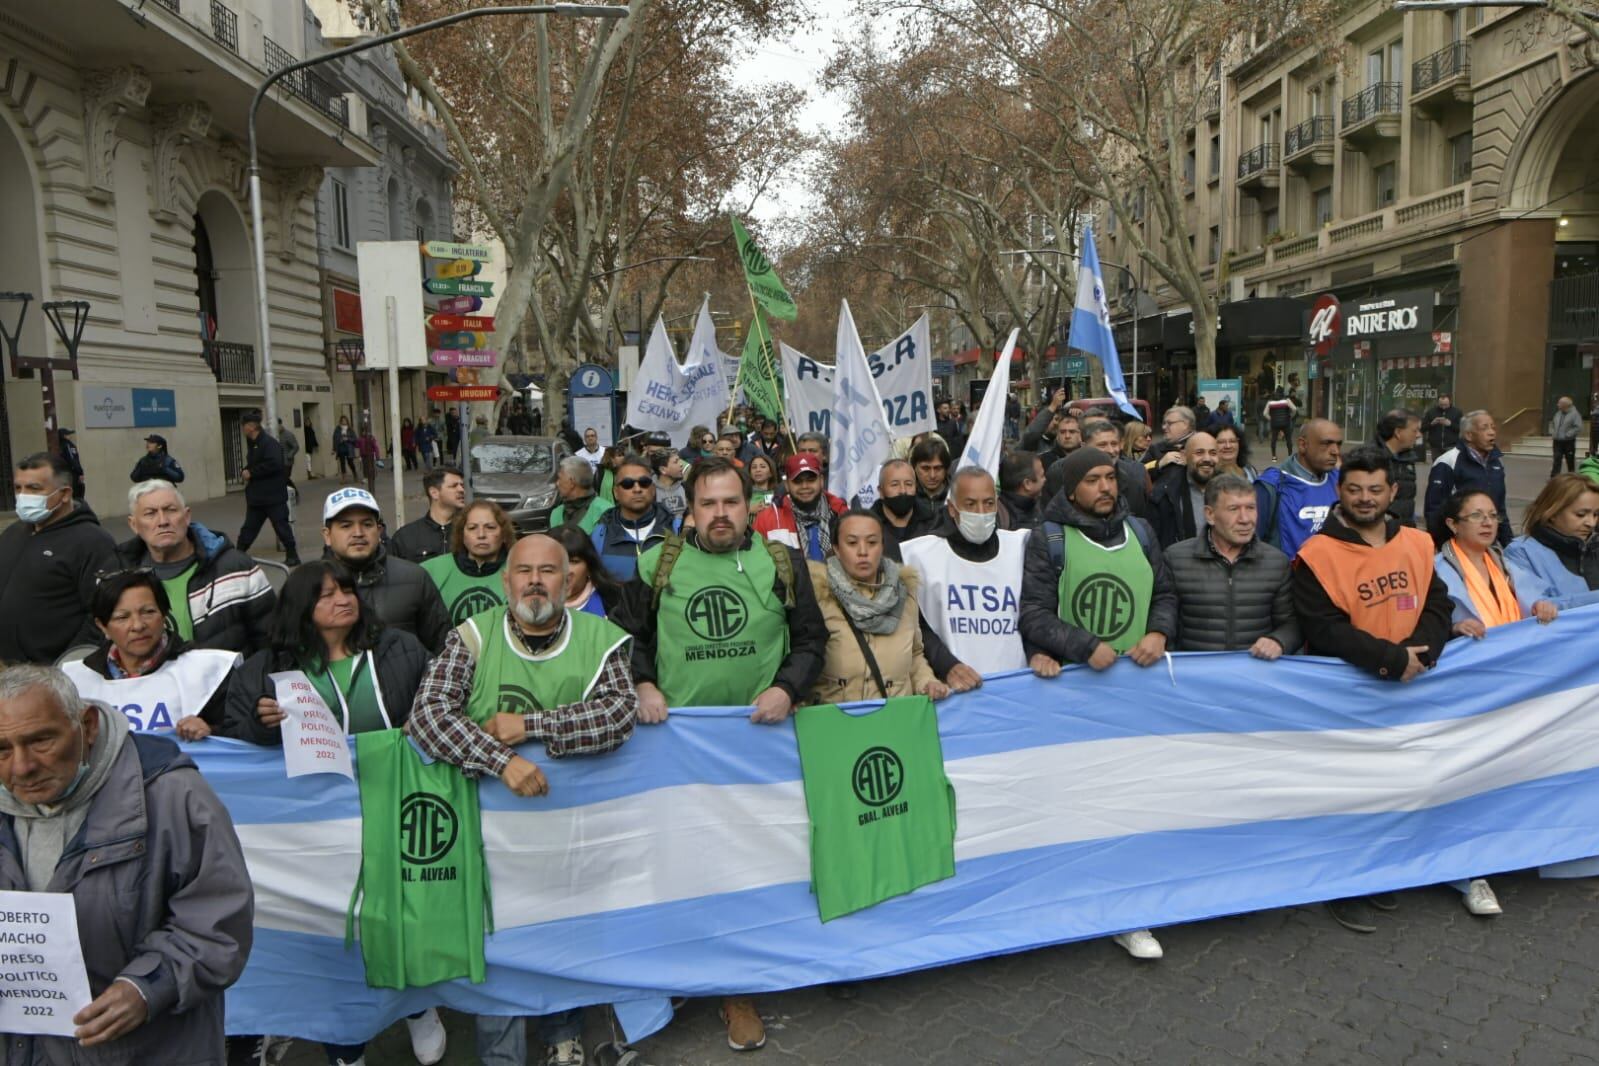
866 650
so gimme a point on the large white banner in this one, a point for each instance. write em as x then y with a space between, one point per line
902 369
674 399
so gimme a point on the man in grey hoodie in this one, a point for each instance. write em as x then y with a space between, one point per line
1563 430
127 826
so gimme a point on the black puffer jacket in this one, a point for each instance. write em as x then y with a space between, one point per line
401 663
230 599
1040 622
403 595
1223 606
1403 466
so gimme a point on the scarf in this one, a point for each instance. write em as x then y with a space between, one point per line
812 514
877 613
1493 598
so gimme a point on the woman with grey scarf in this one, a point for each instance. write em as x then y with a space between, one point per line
874 644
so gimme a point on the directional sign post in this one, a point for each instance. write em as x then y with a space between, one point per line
457 268
458 287
463 393
446 250
461 305
479 357
450 323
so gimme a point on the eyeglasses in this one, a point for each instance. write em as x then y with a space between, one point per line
101 576
634 482
1481 516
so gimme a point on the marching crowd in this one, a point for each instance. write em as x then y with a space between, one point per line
722 574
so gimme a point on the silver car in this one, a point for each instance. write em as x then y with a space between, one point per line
518 473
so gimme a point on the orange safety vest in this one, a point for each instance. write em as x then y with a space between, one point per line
1382 590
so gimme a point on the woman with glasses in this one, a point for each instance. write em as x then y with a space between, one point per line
144 668
588 587
469 578
1232 452
1557 553
1482 585
1136 439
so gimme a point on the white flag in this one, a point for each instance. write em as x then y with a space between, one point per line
673 399
902 368
861 440
702 369
987 440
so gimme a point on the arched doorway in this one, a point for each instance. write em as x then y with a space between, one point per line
224 290
396 210
19 272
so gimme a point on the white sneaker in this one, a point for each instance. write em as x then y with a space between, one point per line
565 1053
1140 944
357 1062
427 1037
1480 899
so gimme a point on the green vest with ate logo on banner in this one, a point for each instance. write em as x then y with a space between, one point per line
1106 590
721 632
423 890
882 810
506 678
464 595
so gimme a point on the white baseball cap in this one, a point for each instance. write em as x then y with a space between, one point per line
344 499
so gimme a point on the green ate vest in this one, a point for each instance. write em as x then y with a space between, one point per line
178 598
721 632
882 810
423 891
590 519
464 594
1106 590
349 688
506 678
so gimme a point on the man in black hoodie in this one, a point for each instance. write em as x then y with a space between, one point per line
1021 484
266 490
49 562
400 592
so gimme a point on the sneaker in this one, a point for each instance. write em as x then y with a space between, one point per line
291 561
1480 899
745 1031
565 1053
1140 944
427 1036
1353 914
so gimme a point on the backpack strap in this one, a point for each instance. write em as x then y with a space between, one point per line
784 562
671 548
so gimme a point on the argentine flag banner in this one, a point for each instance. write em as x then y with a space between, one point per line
1089 804
1091 330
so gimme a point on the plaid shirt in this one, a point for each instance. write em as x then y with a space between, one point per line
442 729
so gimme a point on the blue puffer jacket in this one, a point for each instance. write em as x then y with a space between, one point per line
1552 566
618 550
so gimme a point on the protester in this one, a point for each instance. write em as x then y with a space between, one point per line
165 926
1201 411
218 596
803 518
1177 504
468 578
74 461
1557 556
1475 463
399 593
429 535
701 445
1042 427
589 587
1233 591
728 445
1221 418
1442 423
635 525
1175 426
574 668
424 439
1132 479
48 561
1482 585
764 480
1067 438
344 450
1137 439
667 468
1294 499
408 444
931 460
906 514
874 643
1232 454
266 491
951 426
767 650
157 462
1278 415
1399 431
591 452
1021 483
767 442
580 505
131 610
291 451
1094 587
1563 431
814 444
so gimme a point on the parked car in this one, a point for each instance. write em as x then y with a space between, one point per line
518 473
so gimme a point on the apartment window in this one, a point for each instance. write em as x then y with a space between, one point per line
1269 222
1323 206
1215 156
1460 158
1215 244
341 214
1396 61
1374 67
1190 165
1382 179
1313 102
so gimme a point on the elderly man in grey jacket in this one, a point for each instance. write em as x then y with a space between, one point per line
128 827
1563 430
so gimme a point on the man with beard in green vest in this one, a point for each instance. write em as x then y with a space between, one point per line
724 618
533 670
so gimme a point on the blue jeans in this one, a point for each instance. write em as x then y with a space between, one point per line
502 1041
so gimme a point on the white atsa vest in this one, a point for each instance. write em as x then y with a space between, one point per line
973 607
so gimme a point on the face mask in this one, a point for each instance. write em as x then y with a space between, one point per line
900 506
977 528
32 509
83 771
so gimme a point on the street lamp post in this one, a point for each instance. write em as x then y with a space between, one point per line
263 310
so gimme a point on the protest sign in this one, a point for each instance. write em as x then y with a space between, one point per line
42 979
313 740
902 370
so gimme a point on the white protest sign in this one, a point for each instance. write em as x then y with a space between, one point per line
672 399
902 369
42 979
313 740
157 702
862 441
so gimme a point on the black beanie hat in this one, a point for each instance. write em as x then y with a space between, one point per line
1076 466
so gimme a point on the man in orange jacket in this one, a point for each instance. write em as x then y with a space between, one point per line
803 518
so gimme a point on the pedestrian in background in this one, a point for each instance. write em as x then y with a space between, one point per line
266 490
408 443
156 463
344 449
1442 425
291 451
74 461
367 447
422 442
1399 431
1563 430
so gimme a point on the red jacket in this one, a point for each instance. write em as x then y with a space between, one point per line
777 523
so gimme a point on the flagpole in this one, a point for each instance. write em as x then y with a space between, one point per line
767 356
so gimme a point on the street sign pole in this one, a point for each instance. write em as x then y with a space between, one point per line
395 464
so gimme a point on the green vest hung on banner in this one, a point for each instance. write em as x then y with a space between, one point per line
506 678
422 900
1106 590
882 810
464 594
721 631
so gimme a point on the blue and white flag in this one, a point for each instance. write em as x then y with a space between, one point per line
861 441
985 446
1091 804
1091 330
672 399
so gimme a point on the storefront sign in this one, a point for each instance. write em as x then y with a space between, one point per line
1326 323
129 408
1329 321
346 310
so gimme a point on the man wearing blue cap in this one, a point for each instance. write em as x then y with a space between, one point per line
400 592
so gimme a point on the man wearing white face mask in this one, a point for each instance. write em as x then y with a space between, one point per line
48 562
972 585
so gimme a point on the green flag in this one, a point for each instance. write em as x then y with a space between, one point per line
757 371
764 285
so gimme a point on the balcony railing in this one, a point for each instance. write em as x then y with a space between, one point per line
1448 62
1574 308
231 364
314 90
1308 134
1210 100
1382 98
174 6
1258 160
225 26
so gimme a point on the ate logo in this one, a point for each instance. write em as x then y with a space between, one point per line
473 601
754 261
514 699
878 776
716 613
428 827
1103 605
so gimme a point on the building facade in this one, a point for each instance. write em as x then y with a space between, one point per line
1430 190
